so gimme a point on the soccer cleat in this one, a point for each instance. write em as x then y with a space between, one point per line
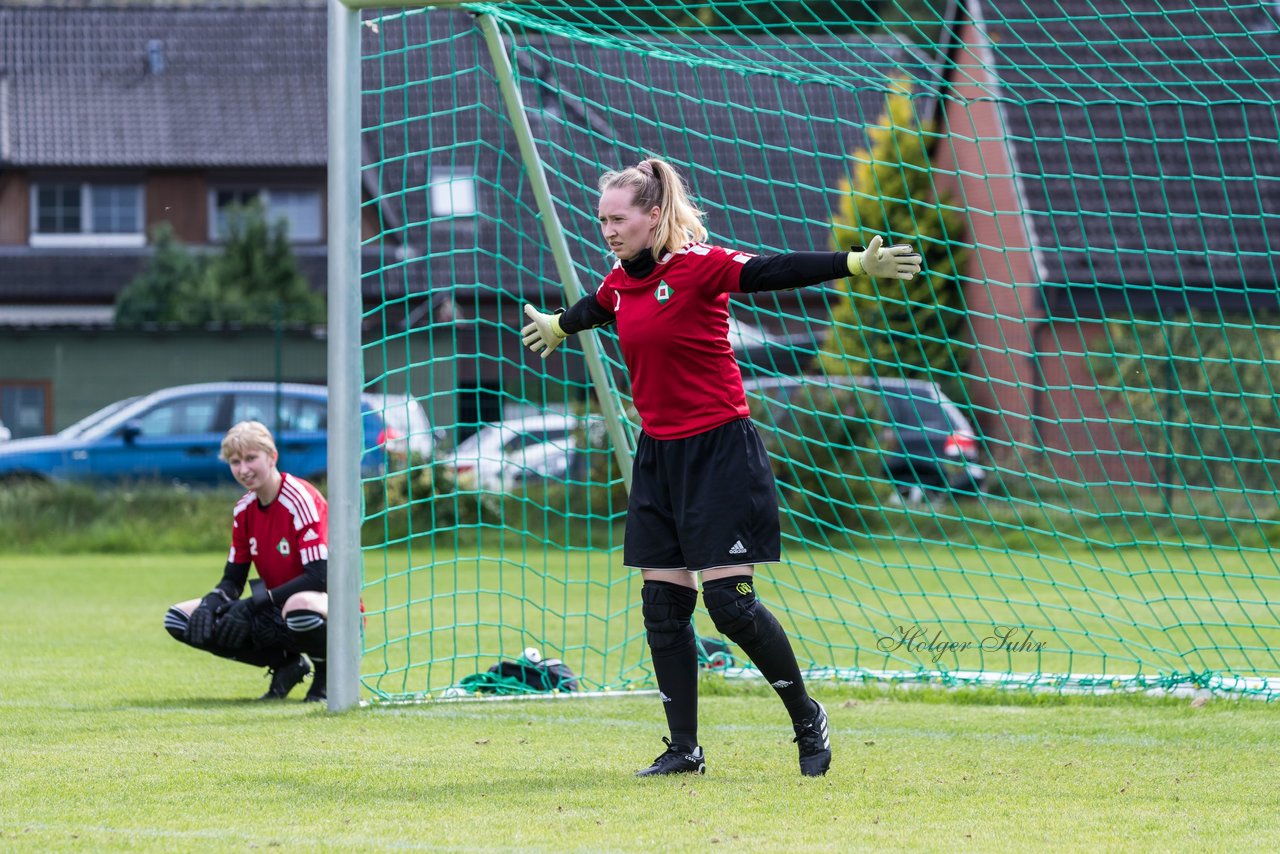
285 677
676 760
318 692
814 741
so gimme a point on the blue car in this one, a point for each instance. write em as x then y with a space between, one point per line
174 435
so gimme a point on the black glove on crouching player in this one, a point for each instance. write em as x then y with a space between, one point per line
200 623
235 624
235 621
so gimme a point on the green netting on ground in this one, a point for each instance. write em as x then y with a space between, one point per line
1049 461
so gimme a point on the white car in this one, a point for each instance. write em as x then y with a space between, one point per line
744 336
4 432
406 427
500 456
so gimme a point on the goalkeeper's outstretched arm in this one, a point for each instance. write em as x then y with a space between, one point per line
801 269
545 332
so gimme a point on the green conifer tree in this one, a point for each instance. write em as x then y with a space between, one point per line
161 293
254 280
887 327
257 274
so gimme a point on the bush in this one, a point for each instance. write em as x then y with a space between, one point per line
1200 400
253 280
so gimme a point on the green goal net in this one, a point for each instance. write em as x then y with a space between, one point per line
1050 461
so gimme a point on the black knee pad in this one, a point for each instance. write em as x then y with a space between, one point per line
668 613
732 602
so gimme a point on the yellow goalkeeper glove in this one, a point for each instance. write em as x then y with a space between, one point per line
544 333
899 261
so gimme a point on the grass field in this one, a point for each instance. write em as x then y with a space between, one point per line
435 617
113 737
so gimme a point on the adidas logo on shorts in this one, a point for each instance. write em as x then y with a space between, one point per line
738 548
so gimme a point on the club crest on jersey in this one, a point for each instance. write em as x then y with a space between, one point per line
663 292
283 547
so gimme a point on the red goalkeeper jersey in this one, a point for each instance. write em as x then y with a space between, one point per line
278 539
673 326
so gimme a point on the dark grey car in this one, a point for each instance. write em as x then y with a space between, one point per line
927 446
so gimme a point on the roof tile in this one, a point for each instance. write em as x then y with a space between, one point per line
1145 139
241 86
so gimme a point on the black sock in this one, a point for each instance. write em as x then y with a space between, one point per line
744 619
668 611
309 632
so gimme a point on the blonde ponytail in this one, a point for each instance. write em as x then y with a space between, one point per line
654 181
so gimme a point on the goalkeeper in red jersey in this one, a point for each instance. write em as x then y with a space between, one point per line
281 527
703 499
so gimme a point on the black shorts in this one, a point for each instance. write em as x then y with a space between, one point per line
702 502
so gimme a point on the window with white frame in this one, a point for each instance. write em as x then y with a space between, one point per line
86 213
452 192
301 209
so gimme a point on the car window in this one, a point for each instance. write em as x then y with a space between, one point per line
307 415
917 413
181 417
534 437
255 406
297 414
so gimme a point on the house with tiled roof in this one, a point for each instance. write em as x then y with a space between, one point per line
114 120
170 113
1097 157
1113 165
118 118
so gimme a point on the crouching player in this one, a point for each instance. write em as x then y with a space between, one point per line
281 526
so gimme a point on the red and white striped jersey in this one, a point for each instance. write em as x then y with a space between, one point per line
280 538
